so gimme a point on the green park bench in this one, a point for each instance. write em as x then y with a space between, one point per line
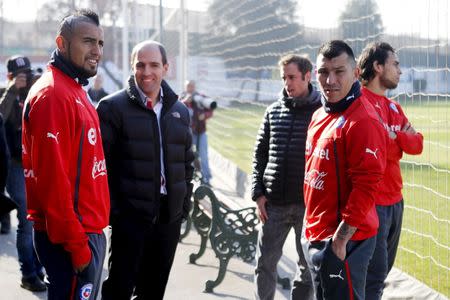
231 232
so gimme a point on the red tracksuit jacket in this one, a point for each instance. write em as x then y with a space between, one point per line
394 119
345 161
64 166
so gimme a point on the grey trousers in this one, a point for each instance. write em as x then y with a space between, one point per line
271 239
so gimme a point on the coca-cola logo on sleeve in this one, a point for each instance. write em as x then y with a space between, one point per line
98 168
315 179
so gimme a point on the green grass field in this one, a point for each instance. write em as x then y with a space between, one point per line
424 251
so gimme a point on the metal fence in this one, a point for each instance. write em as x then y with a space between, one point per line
231 49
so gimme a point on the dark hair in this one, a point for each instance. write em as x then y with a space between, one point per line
304 65
335 48
141 45
68 23
373 52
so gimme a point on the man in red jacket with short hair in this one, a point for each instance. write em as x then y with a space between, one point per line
345 161
380 71
64 165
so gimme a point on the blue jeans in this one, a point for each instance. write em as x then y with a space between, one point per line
271 239
15 185
383 258
200 141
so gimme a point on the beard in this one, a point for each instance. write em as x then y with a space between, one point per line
388 83
85 72
82 71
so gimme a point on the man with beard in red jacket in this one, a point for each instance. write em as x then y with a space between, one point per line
380 71
64 165
345 161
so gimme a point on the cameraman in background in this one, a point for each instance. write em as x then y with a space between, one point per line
201 109
96 92
20 78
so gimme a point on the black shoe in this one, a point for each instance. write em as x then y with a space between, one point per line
33 284
5 221
6 228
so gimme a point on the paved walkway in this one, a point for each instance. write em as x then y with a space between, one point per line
187 281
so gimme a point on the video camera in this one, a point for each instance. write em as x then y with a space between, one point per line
19 64
23 92
30 79
205 102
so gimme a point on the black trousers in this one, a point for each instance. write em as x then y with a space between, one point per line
63 282
141 257
334 279
383 258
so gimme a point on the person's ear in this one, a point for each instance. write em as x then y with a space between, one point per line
165 69
377 67
308 76
357 72
61 43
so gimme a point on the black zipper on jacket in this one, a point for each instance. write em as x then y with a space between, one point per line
286 155
338 181
77 179
154 120
164 148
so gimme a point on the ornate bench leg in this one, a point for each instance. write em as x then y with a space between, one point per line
203 224
210 285
194 256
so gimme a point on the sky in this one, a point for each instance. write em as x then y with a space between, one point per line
429 18
24 10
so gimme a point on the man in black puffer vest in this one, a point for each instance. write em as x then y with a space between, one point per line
278 172
147 142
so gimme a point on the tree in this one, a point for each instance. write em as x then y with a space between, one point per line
250 36
53 11
361 23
